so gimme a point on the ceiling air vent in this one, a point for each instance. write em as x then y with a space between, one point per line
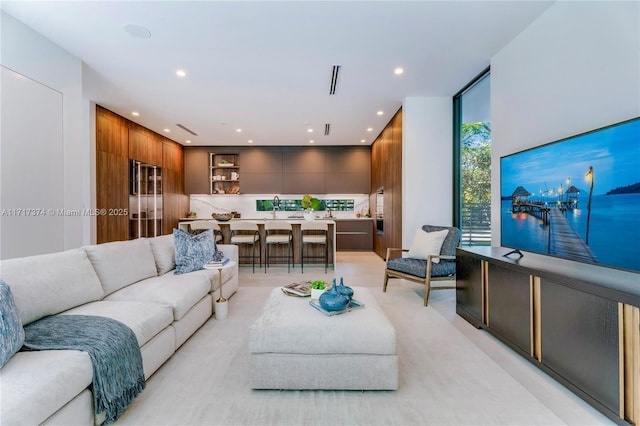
327 129
334 79
187 130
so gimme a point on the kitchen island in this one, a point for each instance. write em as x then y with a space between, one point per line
278 250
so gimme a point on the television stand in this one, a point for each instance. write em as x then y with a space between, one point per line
575 321
514 251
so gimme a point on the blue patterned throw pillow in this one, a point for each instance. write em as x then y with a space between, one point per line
193 251
11 331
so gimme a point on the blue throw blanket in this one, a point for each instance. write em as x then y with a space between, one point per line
118 376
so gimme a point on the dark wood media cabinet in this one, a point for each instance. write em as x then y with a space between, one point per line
579 323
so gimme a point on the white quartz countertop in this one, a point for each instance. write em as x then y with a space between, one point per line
260 219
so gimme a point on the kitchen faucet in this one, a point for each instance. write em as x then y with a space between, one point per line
276 205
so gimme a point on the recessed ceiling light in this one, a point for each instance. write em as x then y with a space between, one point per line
398 71
135 113
250 141
362 141
311 141
167 130
181 73
309 130
370 129
188 141
380 112
137 31
239 130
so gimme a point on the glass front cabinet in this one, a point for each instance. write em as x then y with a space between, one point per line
145 200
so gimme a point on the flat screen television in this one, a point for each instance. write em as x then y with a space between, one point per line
577 198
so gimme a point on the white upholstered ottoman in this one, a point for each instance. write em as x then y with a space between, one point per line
294 346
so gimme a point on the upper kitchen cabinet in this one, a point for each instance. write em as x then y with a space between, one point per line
143 145
303 183
303 171
303 160
348 170
348 159
283 170
261 171
262 160
196 171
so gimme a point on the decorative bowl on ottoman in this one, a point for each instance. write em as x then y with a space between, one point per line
222 217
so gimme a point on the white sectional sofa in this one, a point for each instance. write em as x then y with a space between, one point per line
129 281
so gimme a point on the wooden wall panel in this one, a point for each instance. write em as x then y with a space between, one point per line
175 202
111 133
112 175
386 172
196 171
144 145
118 140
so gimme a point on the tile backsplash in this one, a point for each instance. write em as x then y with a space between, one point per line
258 206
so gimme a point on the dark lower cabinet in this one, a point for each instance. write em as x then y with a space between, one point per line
508 306
579 340
354 235
469 289
577 322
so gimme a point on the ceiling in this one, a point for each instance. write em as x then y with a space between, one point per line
265 67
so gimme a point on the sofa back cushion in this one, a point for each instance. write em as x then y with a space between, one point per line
164 253
450 242
121 263
48 284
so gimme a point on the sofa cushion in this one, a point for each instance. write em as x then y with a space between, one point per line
37 384
51 283
164 253
426 243
180 292
450 242
145 319
228 272
11 331
121 263
193 251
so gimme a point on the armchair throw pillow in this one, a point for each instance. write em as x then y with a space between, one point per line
193 251
11 331
426 243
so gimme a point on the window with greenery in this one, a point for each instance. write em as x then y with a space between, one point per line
472 149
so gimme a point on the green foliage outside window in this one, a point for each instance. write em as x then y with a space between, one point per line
476 163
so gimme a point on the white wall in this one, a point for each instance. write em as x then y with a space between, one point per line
37 58
427 164
574 69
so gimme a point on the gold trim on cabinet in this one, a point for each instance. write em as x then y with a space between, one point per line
532 329
485 292
536 322
629 331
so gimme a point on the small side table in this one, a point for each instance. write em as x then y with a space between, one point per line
221 305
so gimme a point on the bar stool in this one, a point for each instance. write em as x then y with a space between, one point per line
314 232
278 232
245 232
197 225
